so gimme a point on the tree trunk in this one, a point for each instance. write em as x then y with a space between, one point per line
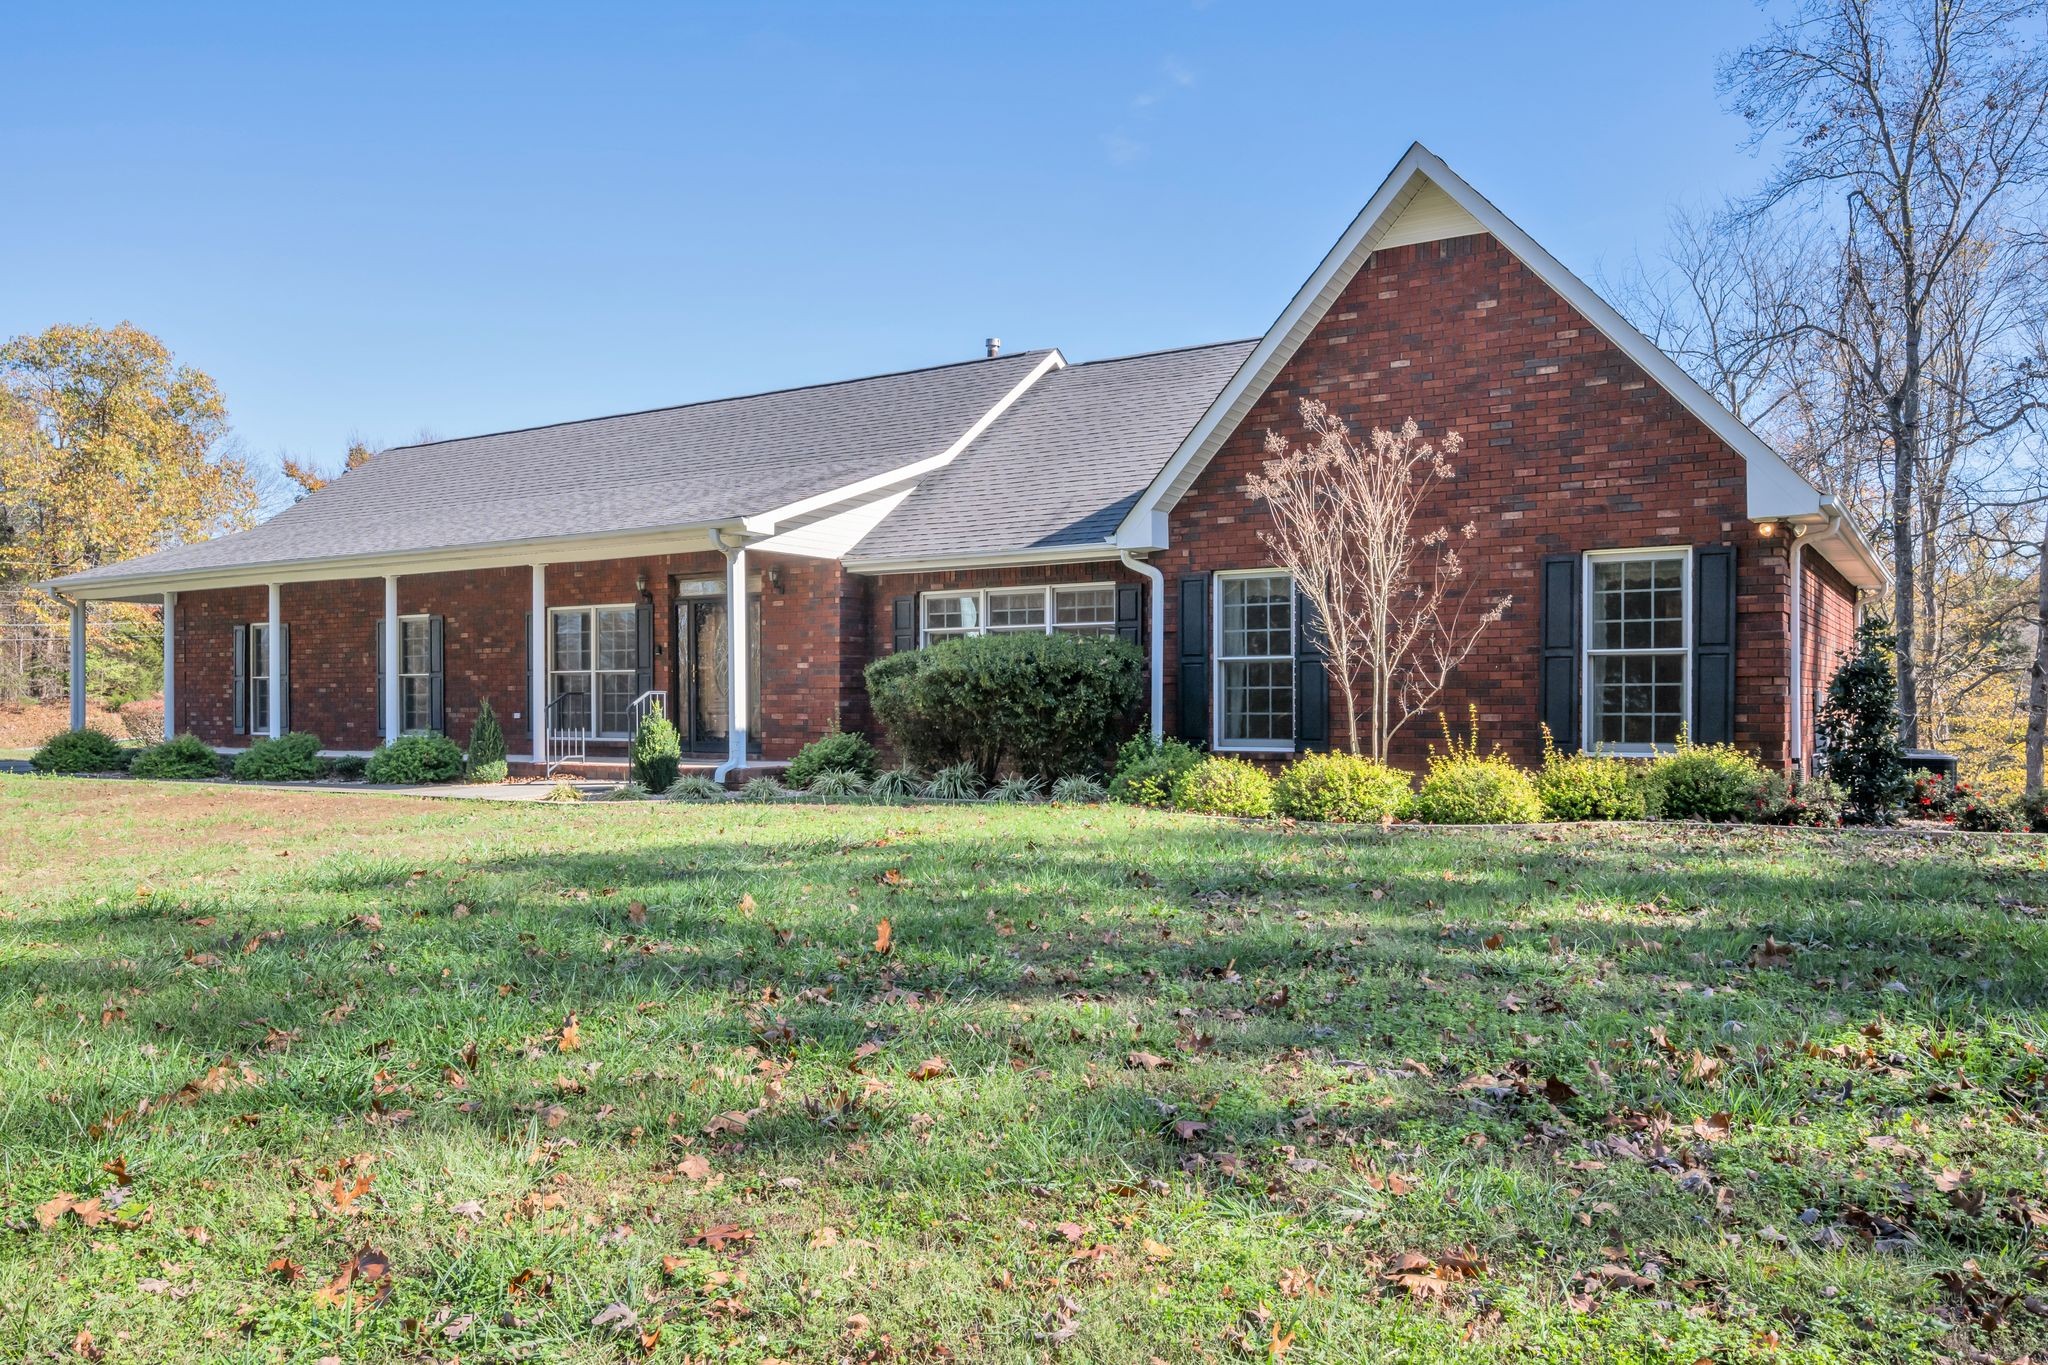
2037 694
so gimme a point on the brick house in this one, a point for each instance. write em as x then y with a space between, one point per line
1668 569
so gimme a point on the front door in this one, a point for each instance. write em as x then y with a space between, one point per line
705 711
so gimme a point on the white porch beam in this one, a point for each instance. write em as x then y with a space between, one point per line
78 665
170 664
394 710
273 644
537 667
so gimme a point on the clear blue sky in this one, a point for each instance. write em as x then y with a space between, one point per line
374 219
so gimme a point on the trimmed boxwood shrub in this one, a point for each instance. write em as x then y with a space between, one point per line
185 758
1589 786
1146 769
413 760
80 751
1340 786
657 752
487 746
1045 705
838 752
1705 782
293 757
1224 786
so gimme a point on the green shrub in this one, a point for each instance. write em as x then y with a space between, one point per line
1146 769
1012 791
1224 786
2034 810
1078 790
1340 786
897 784
487 746
1588 786
838 752
1859 727
955 782
350 767
1042 704
837 784
1705 782
1466 787
80 751
657 752
1812 802
184 759
293 757
414 760
694 787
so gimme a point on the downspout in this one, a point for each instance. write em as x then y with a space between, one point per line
1158 644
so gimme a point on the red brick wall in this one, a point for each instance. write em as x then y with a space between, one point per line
1827 626
1568 447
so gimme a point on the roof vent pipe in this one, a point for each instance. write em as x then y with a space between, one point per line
995 347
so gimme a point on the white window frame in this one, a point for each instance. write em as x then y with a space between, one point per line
592 672
1587 652
980 596
1217 660
427 721
255 669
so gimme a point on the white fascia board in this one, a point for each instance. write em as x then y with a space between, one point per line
1775 489
993 559
767 523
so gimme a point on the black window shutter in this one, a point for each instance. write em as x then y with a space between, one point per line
1557 676
380 679
1713 645
903 625
1130 613
643 648
438 718
1192 679
1311 679
284 680
241 684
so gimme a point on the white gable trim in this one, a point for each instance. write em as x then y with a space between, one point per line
1775 489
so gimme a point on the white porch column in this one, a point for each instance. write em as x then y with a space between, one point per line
537 662
394 710
170 664
78 664
738 635
273 644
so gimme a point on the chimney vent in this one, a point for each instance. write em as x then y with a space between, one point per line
995 347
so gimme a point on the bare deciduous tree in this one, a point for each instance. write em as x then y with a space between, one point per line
1344 516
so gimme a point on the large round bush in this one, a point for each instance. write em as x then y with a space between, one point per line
1045 705
1339 786
1706 782
79 751
294 757
1476 789
415 760
184 759
1146 769
838 752
1224 786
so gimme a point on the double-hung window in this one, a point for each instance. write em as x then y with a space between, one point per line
1086 609
258 665
1255 660
1638 648
415 674
595 657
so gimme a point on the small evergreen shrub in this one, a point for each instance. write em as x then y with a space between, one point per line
1813 802
1859 727
350 767
79 751
694 787
1078 790
487 746
657 752
1466 787
414 760
144 720
1715 782
1588 786
897 784
763 790
184 759
1012 791
838 752
955 782
1224 786
293 757
1340 787
2034 810
837 784
1146 769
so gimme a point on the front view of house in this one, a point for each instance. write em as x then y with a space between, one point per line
739 562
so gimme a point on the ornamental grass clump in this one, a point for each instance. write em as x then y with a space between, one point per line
1340 787
1589 786
1467 787
1224 786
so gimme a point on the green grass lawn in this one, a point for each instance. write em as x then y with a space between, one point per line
589 1083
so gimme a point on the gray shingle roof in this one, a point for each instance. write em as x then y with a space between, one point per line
1064 463
670 467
